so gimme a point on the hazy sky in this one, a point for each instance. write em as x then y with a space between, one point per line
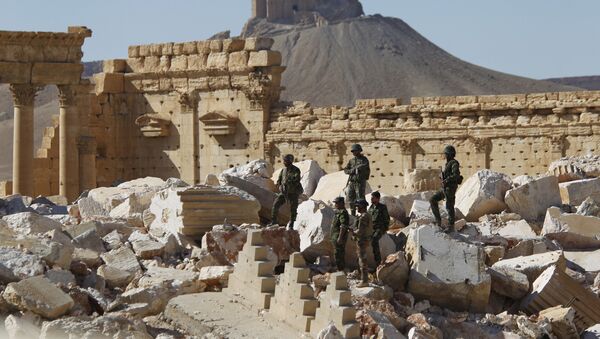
534 38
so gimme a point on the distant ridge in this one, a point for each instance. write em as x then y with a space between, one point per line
591 83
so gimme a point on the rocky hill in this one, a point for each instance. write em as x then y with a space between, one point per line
374 57
591 83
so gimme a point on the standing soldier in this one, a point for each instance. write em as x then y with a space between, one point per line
451 178
339 232
363 231
290 190
381 223
359 172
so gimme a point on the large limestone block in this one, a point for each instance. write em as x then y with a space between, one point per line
533 265
517 229
562 320
588 260
314 226
185 282
447 272
394 271
332 186
509 282
422 180
575 192
258 172
38 295
572 231
533 199
574 168
483 193
143 188
109 326
421 214
16 265
122 258
28 223
194 211
407 201
310 172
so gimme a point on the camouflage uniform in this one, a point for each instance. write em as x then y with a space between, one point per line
381 223
363 231
291 189
340 224
357 182
451 175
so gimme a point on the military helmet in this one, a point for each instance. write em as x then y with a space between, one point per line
356 148
339 200
362 202
450 150
288 157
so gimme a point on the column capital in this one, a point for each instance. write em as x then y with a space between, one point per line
24 94
66 95
189 101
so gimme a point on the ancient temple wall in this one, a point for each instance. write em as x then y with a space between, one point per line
513 134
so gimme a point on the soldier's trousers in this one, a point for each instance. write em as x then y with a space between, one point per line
448 194
339 251
376 249
291 199
361 253
354 192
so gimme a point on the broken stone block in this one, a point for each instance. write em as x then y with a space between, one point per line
517 230
61 277
378 293
331 186
22 327
407 200
588 260
509 282
330 332
336 307
252 277
258 44
589 207
575 192
185 282
531 200
90 240
191 212
571 231
264 59
110 326
310 172
553 288
258 172
420 213
483 193
294 301
394 271
89 257
447 272
533 265
29 223
493 254
379 326
592 332
122 258
115 277
562 320
422 328
20 264
313 225
113 240
13 204
155 297
38 295
215 275
148 249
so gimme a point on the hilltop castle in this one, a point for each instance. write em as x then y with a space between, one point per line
293 11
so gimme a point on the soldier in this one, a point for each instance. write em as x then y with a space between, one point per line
359 171
290 190
363 231
451 178
381 223
339 232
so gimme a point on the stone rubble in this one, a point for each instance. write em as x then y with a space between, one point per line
115 271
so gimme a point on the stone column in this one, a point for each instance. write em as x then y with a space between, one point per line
481 148
558 145
407 156
188 138
68 169
23 99
87 163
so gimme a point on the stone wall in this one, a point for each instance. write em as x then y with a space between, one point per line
513 134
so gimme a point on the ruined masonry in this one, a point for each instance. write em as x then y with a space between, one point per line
336 306
252 278
294 301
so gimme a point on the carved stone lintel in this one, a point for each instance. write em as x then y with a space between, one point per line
24 94
66 96
557 143
407 146
189 101
481 145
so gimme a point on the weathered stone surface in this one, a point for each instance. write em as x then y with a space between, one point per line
313 225
38 295
517 230
110 326
90 240
493 254
592 332
532 266
88 257
332 186
562 320
407 201
115 277
122 258
330 332
588 260
60 277
148 249
20 264
215 275
483 193
22 326
13 204
533 199
575 192
422 329
420 213
447 272
394 271
577 167
310 172
589 207
336 307
185 282
509 282
29 223
572 231
258 172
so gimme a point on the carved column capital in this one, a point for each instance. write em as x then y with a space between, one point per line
481 145
557 143
24 94
66 96
189 101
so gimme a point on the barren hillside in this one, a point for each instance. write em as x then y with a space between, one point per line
591 83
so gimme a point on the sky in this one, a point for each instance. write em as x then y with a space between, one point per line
534 38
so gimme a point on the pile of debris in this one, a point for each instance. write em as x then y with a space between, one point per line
523 261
